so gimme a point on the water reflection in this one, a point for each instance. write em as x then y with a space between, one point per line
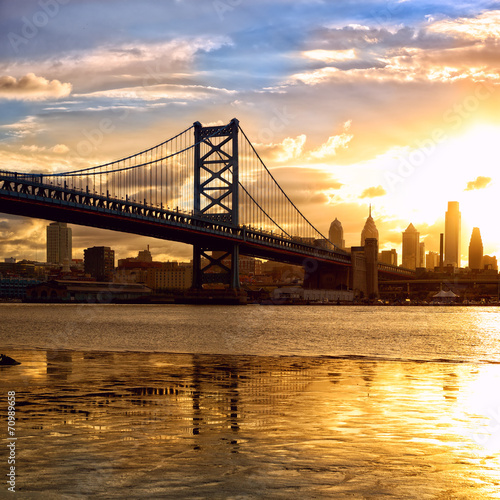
183 426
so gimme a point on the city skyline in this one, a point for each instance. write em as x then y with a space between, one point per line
354 103
335 234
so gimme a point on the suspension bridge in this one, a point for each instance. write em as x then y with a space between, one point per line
207 187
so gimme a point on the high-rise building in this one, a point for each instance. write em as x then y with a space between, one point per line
370 230
432 261
421 254
475 250
452 234
389 257
59 243
411 248
99 262
336 234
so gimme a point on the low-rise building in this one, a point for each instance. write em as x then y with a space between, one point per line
85 291
170 276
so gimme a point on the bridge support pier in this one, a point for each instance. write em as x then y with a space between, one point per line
364 276
215 265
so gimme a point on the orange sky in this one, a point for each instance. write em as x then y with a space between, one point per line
348 104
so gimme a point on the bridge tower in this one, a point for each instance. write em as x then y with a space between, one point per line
216 199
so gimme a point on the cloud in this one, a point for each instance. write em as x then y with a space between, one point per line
292 148
481 27
373 192
480 183
57 149
330 56
335 142
32 88
155 92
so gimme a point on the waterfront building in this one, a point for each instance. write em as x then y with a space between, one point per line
452 235
170 276
336 234
476 250
59 243
370 230
411 247
99 262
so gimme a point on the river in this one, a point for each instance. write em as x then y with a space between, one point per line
174 401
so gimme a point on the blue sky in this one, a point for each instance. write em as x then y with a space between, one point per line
362 85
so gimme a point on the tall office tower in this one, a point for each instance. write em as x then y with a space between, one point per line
452 234
99 262
476 250
421 254
336 233
441 251
59 243
370 230
411 248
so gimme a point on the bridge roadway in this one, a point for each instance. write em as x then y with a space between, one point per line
27 195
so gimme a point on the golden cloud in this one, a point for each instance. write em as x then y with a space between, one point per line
480 183
486 25
32 88
373 192
335 142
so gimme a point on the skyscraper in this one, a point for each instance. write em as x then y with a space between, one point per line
59 243
452 234
336 233
370 230
421 259
476 250
411 248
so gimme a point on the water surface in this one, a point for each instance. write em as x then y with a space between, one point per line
253 402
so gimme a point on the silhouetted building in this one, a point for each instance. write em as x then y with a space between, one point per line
476 250
99 262
59 243
490 262
336 233
389 257
145 256
432 261
85 291
411 248
441 251
421 255
370 230
452 234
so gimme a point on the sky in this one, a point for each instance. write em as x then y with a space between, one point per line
393 103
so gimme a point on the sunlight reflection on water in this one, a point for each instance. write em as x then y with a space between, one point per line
131 425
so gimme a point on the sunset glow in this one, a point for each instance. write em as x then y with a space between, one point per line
347 104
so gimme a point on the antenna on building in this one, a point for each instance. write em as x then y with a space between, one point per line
370 210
